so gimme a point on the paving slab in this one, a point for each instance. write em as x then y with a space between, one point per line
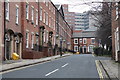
112 68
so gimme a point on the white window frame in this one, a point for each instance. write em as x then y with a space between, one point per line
47 36
44 17
50 21
32 14
84 40
50 7
117 12
41 12
36 17
92 39
75 48
17 14
36 1
37 40
27 39
75 40
7 10
32 40
54 24
27 11
54 11
44 36
80 40
46 3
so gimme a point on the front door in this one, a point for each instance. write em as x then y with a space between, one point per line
18 48
81 51
8 50
84 49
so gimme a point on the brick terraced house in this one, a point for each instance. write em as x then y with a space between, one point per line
34 29
63 30
13 29
84 41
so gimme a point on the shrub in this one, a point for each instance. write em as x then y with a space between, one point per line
99 51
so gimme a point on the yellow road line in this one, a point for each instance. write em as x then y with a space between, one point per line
99 70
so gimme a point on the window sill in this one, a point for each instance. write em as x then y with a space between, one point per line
116 18
17 24
92 43
27 19
75 43
27 47
7 20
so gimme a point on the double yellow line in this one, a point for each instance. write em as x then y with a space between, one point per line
99 70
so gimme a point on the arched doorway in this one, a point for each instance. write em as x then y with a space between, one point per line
9 40
18 44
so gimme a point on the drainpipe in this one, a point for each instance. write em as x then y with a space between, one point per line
39 24
119 29
4 30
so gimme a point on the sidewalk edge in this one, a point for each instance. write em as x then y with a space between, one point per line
32 63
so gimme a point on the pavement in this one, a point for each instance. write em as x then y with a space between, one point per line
111 68
12 64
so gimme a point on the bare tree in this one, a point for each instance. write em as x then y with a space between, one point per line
103 23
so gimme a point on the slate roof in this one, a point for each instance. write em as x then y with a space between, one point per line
84 34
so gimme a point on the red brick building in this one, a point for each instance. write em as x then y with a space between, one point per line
63 30
47 26
84 41
12 25
30 30
116 31
34 30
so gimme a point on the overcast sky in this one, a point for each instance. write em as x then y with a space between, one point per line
77 5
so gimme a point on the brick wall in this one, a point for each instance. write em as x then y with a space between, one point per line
115 25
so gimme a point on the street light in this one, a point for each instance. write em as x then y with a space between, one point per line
60 46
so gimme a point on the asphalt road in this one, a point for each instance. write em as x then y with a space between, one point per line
75 66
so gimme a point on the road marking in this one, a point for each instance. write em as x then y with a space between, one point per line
51 72
99 70
28 66
65 65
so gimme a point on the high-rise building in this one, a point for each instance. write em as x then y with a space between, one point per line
69 16
81 21
93 20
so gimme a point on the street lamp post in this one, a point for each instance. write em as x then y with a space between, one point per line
61 46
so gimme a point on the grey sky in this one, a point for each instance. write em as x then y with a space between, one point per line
77 5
